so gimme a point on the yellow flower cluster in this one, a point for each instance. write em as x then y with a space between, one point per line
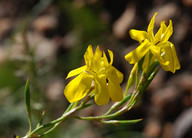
106 79
158 46
99 72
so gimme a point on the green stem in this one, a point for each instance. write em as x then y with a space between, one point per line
60 120
149 80
137 90
144 82
127 87
52 123
53 128
118 104
70 107
152 68
123 110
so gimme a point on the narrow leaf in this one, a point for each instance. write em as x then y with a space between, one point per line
116 122
27 104
41 119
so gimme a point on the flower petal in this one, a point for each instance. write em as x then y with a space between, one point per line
78 88
111 56
119 74
168 32
156 51
168 57
76 71
114 87
138 35
138 53
88 55
98 52
151 26
176 61
97 64
105 58
101 92
171 56
160 33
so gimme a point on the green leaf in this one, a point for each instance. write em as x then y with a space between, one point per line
41 119
27 104
116 122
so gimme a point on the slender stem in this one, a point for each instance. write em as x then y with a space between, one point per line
127 88
123 110
118 104
149 80
137 90
52 123
71 106
137 78
58 121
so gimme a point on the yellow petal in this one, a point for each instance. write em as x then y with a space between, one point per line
98 52
114 87
101 92
78 88
111 56
88 55
156 51
119 74
163 27
168 57
105 58
97 61
138 35
97 64
76 72
138 53
150 27
160 33
168 32
170 54
176 61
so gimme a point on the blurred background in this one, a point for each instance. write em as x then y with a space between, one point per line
44 39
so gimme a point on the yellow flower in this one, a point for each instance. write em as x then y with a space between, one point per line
158 45
97 71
